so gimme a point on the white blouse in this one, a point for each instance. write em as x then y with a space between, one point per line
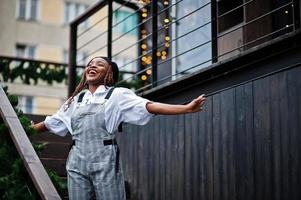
123 106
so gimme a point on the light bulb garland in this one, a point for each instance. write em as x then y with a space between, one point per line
162 51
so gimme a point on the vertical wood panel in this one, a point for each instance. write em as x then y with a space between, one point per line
180 158
294 100
162 155
205 154
169 152
227 136
262 127
275 135
188 157
243 140
224 126
150 161
195 150
157 158
175 158
217 152
284 136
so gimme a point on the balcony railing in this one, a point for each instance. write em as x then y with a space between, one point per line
160 41
39 75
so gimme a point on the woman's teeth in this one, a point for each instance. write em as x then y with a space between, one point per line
92 72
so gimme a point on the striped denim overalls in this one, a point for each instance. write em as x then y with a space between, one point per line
93 163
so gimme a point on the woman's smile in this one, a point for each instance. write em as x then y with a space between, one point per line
96 71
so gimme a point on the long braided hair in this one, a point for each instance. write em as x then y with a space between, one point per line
83 84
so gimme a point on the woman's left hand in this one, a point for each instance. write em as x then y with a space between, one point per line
196 104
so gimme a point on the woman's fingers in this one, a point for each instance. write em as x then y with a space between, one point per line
201 99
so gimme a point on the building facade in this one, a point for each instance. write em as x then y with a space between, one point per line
39 29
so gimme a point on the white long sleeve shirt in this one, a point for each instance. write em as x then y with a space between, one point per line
123 106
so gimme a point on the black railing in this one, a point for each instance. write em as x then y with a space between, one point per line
30 71
160 41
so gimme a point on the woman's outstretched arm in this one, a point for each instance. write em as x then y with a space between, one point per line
169 109
39 127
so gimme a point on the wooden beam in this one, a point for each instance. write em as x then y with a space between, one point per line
24 147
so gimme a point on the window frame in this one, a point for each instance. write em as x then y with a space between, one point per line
28 10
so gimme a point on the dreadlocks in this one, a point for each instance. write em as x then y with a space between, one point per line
108 81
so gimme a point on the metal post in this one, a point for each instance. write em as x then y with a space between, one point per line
296 12
72 60
139 50
154 43
214 31
110 31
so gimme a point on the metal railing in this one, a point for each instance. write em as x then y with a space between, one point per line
173 38
30 78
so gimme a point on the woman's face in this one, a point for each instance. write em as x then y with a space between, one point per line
96 71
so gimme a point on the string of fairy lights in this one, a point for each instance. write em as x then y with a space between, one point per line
162 52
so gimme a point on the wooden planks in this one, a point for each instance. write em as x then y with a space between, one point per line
31 161
244 145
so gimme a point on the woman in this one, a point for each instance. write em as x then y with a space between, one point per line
91 115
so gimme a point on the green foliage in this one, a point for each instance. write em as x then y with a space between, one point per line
15 183
136 83
30 72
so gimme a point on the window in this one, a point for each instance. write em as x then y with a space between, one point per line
230 14
26 104
193 36
33 9
126 21
27 9
81 57
25 51
73 10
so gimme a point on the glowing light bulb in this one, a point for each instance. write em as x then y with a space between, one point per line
143 46
148 61
166 20
149 72
165 3
144 15
143 77
167 38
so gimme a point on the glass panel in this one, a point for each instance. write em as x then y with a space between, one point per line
33 9
22 9
20 51
126 21
28 104
67 12
194 32
31 52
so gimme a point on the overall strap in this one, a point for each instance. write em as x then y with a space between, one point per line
107 97
109 93
80 97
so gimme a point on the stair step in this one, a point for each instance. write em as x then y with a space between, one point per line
56 164
55 150
50 137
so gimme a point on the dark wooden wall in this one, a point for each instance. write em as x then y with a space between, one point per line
245 144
